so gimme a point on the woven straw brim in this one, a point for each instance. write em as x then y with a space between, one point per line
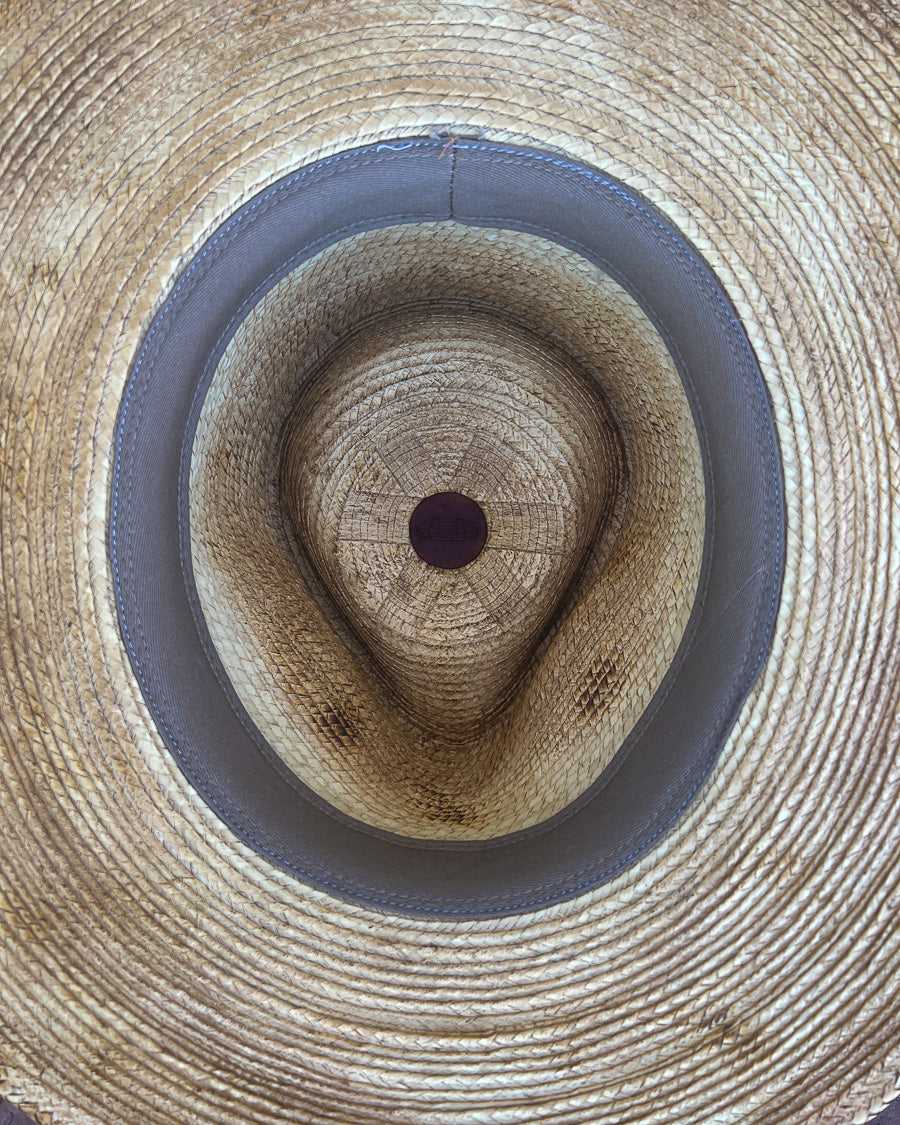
746 969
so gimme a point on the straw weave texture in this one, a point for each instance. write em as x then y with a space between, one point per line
154 969
371 431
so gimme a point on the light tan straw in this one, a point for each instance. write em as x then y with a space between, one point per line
156 969
404 389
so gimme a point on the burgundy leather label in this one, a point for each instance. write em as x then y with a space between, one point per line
448 530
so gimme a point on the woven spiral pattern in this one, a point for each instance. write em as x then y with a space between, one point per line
579 674
440 399
153 968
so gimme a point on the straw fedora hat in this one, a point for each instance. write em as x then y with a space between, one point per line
449 543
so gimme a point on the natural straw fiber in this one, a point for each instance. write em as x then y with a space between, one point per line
238 531
157 968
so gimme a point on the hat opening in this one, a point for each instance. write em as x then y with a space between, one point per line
529 350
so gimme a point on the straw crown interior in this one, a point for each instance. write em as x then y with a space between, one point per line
454 393
446 399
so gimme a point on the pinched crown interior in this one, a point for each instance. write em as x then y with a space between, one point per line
446 704
449 398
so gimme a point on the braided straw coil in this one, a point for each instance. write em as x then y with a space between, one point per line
155 967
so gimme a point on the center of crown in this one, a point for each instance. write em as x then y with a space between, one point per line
447 530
